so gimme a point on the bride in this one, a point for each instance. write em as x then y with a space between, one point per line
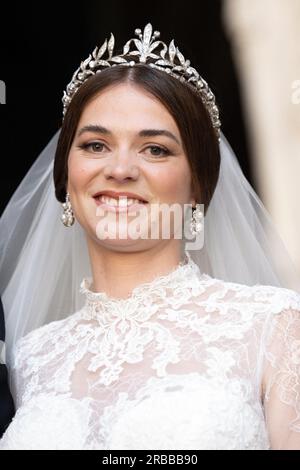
126 332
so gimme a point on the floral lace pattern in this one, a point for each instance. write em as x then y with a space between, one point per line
185 362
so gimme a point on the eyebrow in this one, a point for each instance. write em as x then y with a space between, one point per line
143 133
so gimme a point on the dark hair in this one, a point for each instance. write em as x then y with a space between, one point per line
184 104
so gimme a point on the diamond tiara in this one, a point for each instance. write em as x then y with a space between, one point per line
163 57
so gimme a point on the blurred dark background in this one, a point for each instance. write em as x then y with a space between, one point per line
44 43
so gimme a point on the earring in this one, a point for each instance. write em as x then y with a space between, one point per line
196 224
67 216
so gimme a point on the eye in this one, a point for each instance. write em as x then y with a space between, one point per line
96 147
157 151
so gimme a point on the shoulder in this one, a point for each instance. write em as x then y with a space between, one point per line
278 298
40 340
263 298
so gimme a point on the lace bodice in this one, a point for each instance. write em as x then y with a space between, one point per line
185 362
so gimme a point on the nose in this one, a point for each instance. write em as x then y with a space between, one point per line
121 166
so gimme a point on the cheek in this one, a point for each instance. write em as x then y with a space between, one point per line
78 174
173 184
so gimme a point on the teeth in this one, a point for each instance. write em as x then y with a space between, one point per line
121 202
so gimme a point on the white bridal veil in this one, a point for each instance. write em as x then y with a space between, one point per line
42 262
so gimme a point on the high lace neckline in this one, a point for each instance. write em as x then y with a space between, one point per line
159 284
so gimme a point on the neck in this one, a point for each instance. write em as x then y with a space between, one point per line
117 273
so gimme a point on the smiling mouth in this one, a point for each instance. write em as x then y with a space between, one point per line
119 204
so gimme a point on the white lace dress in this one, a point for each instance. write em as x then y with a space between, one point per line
185 362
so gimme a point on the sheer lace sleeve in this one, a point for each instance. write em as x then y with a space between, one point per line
21 368
281 378
32 352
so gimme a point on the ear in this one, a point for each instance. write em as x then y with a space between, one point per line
193 199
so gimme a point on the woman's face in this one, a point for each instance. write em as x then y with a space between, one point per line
126 141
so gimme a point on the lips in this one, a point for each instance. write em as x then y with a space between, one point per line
119 202
119 195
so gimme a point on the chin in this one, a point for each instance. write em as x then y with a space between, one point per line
121 233
124 246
